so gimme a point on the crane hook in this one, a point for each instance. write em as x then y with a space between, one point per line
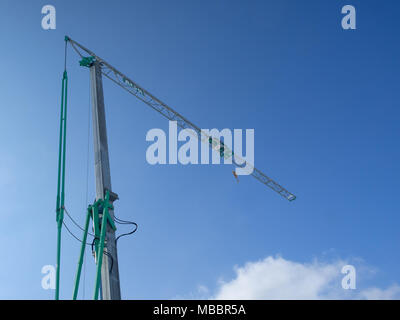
235 175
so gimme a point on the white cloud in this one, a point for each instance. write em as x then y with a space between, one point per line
278 278
391 293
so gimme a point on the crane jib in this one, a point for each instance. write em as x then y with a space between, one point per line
133 88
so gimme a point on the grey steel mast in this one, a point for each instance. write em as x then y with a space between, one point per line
110 286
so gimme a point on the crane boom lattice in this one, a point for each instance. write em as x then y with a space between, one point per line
139 92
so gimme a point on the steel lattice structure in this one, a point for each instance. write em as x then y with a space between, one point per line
139 92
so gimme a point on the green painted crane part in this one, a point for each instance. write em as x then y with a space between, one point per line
61 173
99 225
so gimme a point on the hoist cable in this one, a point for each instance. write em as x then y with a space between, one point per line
89 244
73 235
75 223
65 56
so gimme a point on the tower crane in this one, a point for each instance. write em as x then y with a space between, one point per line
102 209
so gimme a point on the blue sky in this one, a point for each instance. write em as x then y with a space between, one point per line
323 102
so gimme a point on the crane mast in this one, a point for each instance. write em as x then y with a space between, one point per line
110 288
